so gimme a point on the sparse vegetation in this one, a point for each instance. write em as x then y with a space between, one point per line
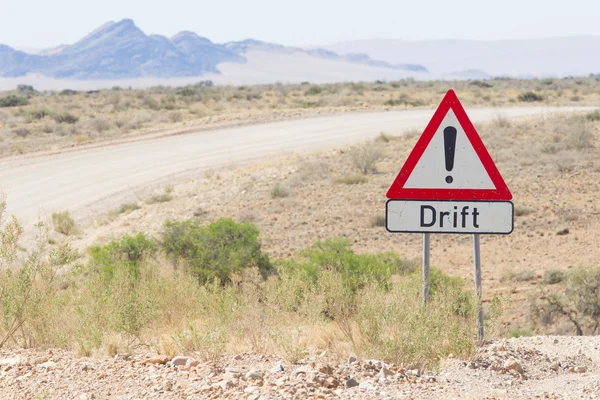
553 277
519 332
521 211
378 221
530 97
350 179
519 276
365 157
116 112
577 302
164 197
12 101
279 191
228 295
64 223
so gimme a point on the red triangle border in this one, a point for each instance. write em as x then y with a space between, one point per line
397 190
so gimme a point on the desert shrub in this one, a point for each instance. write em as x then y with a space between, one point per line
22 132
519 276
519 332
313 90
365 157
39 113
501 121
394 327
216 251
403 100
100 124
578 302
175 116
279 191
159 198
593 116
126 253
66 118
127 208
521 211
26 89
378 221
350 179
530 97
482 84
64 223
12 101
553 276
579 136
337 255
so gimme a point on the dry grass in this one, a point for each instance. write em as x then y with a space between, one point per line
50 120
128 298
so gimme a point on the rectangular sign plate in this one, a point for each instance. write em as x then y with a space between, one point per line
431 216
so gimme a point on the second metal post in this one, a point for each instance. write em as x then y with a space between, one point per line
426 243
478 290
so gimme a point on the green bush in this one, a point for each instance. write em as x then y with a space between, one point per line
530 97
314 90
337 255
12 101
125 253
216 251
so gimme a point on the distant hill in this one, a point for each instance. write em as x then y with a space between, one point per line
561 56
120 51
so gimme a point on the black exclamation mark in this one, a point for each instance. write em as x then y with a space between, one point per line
449 149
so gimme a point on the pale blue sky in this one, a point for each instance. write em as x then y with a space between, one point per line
46 23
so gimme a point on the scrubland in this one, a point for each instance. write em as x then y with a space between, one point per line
33 121
288 256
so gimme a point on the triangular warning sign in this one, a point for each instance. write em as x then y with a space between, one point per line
449 162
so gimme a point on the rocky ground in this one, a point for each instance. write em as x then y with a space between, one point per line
549 367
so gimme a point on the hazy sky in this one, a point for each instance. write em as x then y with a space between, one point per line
46 23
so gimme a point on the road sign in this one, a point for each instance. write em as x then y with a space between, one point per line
449 162
450 216
449 184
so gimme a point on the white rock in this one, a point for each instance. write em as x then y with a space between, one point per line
179 360
277 368
366 386
254 374
192 363
48 365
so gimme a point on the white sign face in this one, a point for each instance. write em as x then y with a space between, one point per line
449 161
430 216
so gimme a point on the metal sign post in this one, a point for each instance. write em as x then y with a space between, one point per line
450 184
478 290
426 243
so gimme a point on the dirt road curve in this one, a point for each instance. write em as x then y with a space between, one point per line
89 181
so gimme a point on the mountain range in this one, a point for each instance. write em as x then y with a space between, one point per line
474 59
120 53
120 50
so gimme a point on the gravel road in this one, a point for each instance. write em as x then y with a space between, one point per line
89 181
